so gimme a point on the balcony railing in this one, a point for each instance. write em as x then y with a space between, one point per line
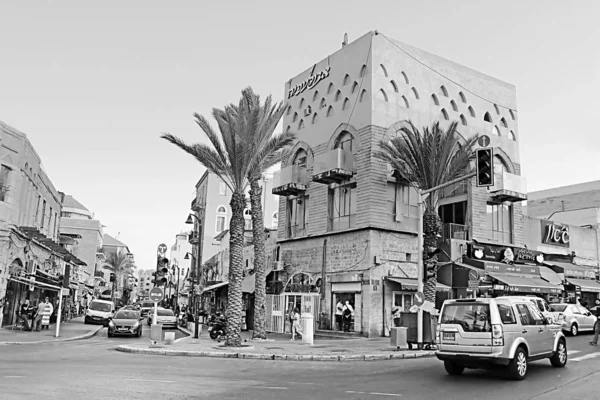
509 187
293 231
455 231
333 167
290 181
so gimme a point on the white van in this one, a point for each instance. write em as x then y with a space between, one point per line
99 311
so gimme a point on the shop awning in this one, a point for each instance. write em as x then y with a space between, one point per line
587 285
412 284
249 282
216 286
41 285
551 276
525 284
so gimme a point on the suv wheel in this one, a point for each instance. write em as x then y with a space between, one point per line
559 358
453 368
574 330
517 368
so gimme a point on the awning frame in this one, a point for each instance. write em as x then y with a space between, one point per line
34 283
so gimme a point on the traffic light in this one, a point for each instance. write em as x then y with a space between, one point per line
162 270
112 277
484 167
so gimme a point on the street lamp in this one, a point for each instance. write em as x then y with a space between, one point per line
198 234
176 265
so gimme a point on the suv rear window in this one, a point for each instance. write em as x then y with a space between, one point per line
472 317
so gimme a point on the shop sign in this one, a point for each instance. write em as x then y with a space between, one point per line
554 233
574 273
532 289
526 255
404 270
512 269
309 83
492 253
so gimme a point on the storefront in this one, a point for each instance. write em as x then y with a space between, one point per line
579 282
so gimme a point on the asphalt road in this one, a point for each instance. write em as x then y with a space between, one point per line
92 369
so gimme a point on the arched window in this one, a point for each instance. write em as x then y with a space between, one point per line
26 167
463 120
300 158
453 104
462 97
301 103
363 95
394 86
496 109
338 94
415 93
275 220
247 219
512 136
344 141
487 117
381 70
435 100
315 118
301 124
323 103
289 109
354 87
221 219
499 168
471 112
346 80
381 95
503 123
330 88
444 91
405 77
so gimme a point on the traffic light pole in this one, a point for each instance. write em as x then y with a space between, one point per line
421 197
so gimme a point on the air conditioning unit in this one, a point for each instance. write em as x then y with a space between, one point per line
307 111
278 266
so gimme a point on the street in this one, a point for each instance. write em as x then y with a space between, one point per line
92 369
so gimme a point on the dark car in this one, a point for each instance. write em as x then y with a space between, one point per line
125 322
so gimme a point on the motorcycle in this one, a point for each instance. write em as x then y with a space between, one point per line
216 328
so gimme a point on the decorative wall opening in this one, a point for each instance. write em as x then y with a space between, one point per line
405 101
435 100
415 93
354 87
463 120
471 112
363 95
405 78
462 97
382 71
454 106
487 117
443 91
394 86
381 95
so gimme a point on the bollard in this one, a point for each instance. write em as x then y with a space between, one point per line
398 338
308 322
155 333
169 337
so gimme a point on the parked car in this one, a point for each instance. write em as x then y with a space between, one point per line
573 318
125 322
165 317
543 306
505 332
99 311
146 306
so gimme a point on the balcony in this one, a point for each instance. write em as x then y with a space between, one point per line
289 181
334 166
454 231
292 231
197 205
509 187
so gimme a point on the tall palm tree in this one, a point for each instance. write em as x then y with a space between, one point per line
426 159
232 158
268 149
121 264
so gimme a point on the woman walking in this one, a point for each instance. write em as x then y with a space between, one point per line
46 313
296 329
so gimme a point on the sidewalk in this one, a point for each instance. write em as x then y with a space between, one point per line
279 347
74 329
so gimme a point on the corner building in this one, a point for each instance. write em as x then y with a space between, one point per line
347 229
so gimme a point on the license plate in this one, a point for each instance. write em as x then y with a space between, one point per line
448 336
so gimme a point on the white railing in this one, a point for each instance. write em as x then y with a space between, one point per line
509 182
337 158
290 174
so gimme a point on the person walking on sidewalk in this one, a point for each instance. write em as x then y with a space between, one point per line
296 329
48 310
338 314
41 307
347 312
596 311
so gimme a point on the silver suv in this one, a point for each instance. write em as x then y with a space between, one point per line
506 331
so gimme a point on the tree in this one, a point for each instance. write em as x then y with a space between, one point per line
426 159
268 149
121 264
232 158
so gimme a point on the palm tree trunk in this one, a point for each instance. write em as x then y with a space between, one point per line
431 229
258 231
236 273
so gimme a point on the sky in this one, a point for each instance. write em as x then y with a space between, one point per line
94 84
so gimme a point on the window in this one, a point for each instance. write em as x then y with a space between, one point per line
346 104
453 213
50 227
405 100
338 94
507 316
400 200
363 70
329 111
463 120
454 106
471 317
221 219
297 216
471 112
275 220
503 123
381 95
499 221
496 109
344 141
323 103
363 95
499 169
315 95
330 88
222 188
512 114
247 219
445 114
301 124
382 70
525 315
346 80
415 93
4 182
315 118
405 77
342 207
496 131
43 214
512 136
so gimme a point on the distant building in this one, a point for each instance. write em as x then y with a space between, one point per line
180 266
145 282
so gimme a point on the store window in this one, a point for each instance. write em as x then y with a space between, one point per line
499 222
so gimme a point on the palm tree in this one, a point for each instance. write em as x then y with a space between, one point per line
268 149
232 158
426 159
121 264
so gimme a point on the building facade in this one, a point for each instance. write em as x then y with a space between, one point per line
145 282
348 228
32 253
180 267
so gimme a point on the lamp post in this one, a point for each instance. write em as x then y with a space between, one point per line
67 259
176 265
190 220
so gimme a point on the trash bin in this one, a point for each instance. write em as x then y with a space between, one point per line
169 337
398 337
307 328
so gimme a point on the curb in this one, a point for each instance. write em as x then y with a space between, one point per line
280 357
80 337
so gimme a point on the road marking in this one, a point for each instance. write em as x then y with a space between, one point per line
573 352
374 393
14 376
586 357
274 387
148 380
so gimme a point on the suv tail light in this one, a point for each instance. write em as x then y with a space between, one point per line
497 335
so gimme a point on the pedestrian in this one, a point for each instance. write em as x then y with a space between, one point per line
596 311
338 314
24 315
48 310
347 315
396 313
41 307
296 329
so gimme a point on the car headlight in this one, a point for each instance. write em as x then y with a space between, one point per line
137 323
111 324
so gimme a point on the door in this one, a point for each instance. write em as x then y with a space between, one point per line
588 319
579 316
275 313
543 332
530 329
